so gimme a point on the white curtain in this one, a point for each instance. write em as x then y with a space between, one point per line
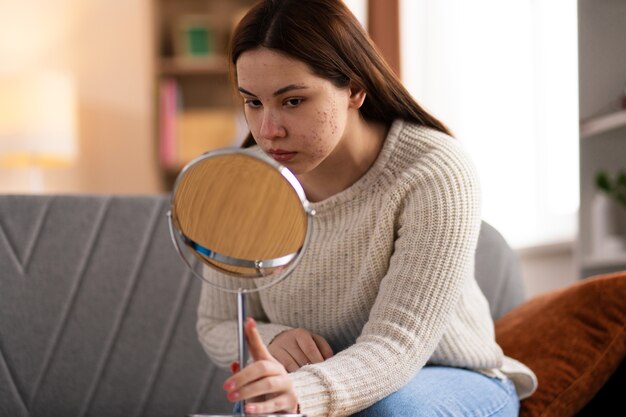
503 75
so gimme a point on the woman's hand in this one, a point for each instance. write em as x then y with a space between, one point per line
298 347
265 381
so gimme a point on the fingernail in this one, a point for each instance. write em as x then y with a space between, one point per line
250 408
234 367
251 322
229 386
233 396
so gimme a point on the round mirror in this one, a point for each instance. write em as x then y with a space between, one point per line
241 213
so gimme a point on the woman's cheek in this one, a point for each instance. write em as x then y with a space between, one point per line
321 139
329 120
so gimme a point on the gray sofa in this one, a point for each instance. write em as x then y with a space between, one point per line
97 312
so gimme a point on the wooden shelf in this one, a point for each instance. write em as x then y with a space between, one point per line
189 66
194 98
602 124
605 261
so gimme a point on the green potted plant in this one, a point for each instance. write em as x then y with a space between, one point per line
613 187
608 214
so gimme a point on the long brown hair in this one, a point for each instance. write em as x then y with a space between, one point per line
326 36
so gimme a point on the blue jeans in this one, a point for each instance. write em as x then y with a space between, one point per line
439 391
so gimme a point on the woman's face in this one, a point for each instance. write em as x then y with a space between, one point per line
295 116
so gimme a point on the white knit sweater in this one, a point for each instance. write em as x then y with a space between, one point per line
387 280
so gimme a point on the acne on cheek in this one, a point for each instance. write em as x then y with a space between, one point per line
333 118
322 122
328 118
319 149
333 124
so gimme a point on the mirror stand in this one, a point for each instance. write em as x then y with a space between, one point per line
241 304
216 207
241 337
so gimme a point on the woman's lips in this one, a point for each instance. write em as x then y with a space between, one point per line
280 155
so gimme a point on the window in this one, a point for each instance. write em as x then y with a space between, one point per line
503 75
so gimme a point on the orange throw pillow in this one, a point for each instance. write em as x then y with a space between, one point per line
573 339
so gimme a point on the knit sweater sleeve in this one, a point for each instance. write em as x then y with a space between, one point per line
437 232
217 318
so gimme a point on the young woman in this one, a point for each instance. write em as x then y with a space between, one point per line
383 316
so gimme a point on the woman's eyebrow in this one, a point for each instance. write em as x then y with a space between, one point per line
278 92
289 87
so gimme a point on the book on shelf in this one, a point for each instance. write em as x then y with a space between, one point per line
187 133
169 102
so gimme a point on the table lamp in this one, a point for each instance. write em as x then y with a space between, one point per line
37 123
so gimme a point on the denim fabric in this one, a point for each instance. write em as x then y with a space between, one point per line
438 391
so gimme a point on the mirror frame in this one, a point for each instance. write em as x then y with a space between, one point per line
289 261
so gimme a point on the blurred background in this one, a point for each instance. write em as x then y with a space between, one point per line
111 96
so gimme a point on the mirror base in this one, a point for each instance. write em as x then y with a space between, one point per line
250 415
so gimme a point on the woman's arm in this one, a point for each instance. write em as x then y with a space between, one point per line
437 231
217 318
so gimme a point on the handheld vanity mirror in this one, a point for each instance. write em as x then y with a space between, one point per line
242 215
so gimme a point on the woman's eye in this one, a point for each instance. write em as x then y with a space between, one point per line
253 103
293 102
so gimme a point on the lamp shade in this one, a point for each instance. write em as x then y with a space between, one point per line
37 120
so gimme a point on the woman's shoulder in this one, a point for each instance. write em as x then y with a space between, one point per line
423 154
435 175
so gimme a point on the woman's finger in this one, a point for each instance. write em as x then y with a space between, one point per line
252 373
323 346
257 348
308 346
291 348
271 386
280 403
283 356
298 355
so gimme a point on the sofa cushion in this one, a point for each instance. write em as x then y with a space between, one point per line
573 339
498 272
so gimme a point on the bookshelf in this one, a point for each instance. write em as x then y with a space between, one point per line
598 125
602 238
601 245
602 222
196 109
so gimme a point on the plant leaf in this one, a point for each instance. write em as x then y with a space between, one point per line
602 182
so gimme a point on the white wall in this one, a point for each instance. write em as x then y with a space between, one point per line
602 55
547 268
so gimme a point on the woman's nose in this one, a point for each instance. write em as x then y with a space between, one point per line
271 127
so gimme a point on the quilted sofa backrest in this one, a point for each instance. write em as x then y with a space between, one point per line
97 313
